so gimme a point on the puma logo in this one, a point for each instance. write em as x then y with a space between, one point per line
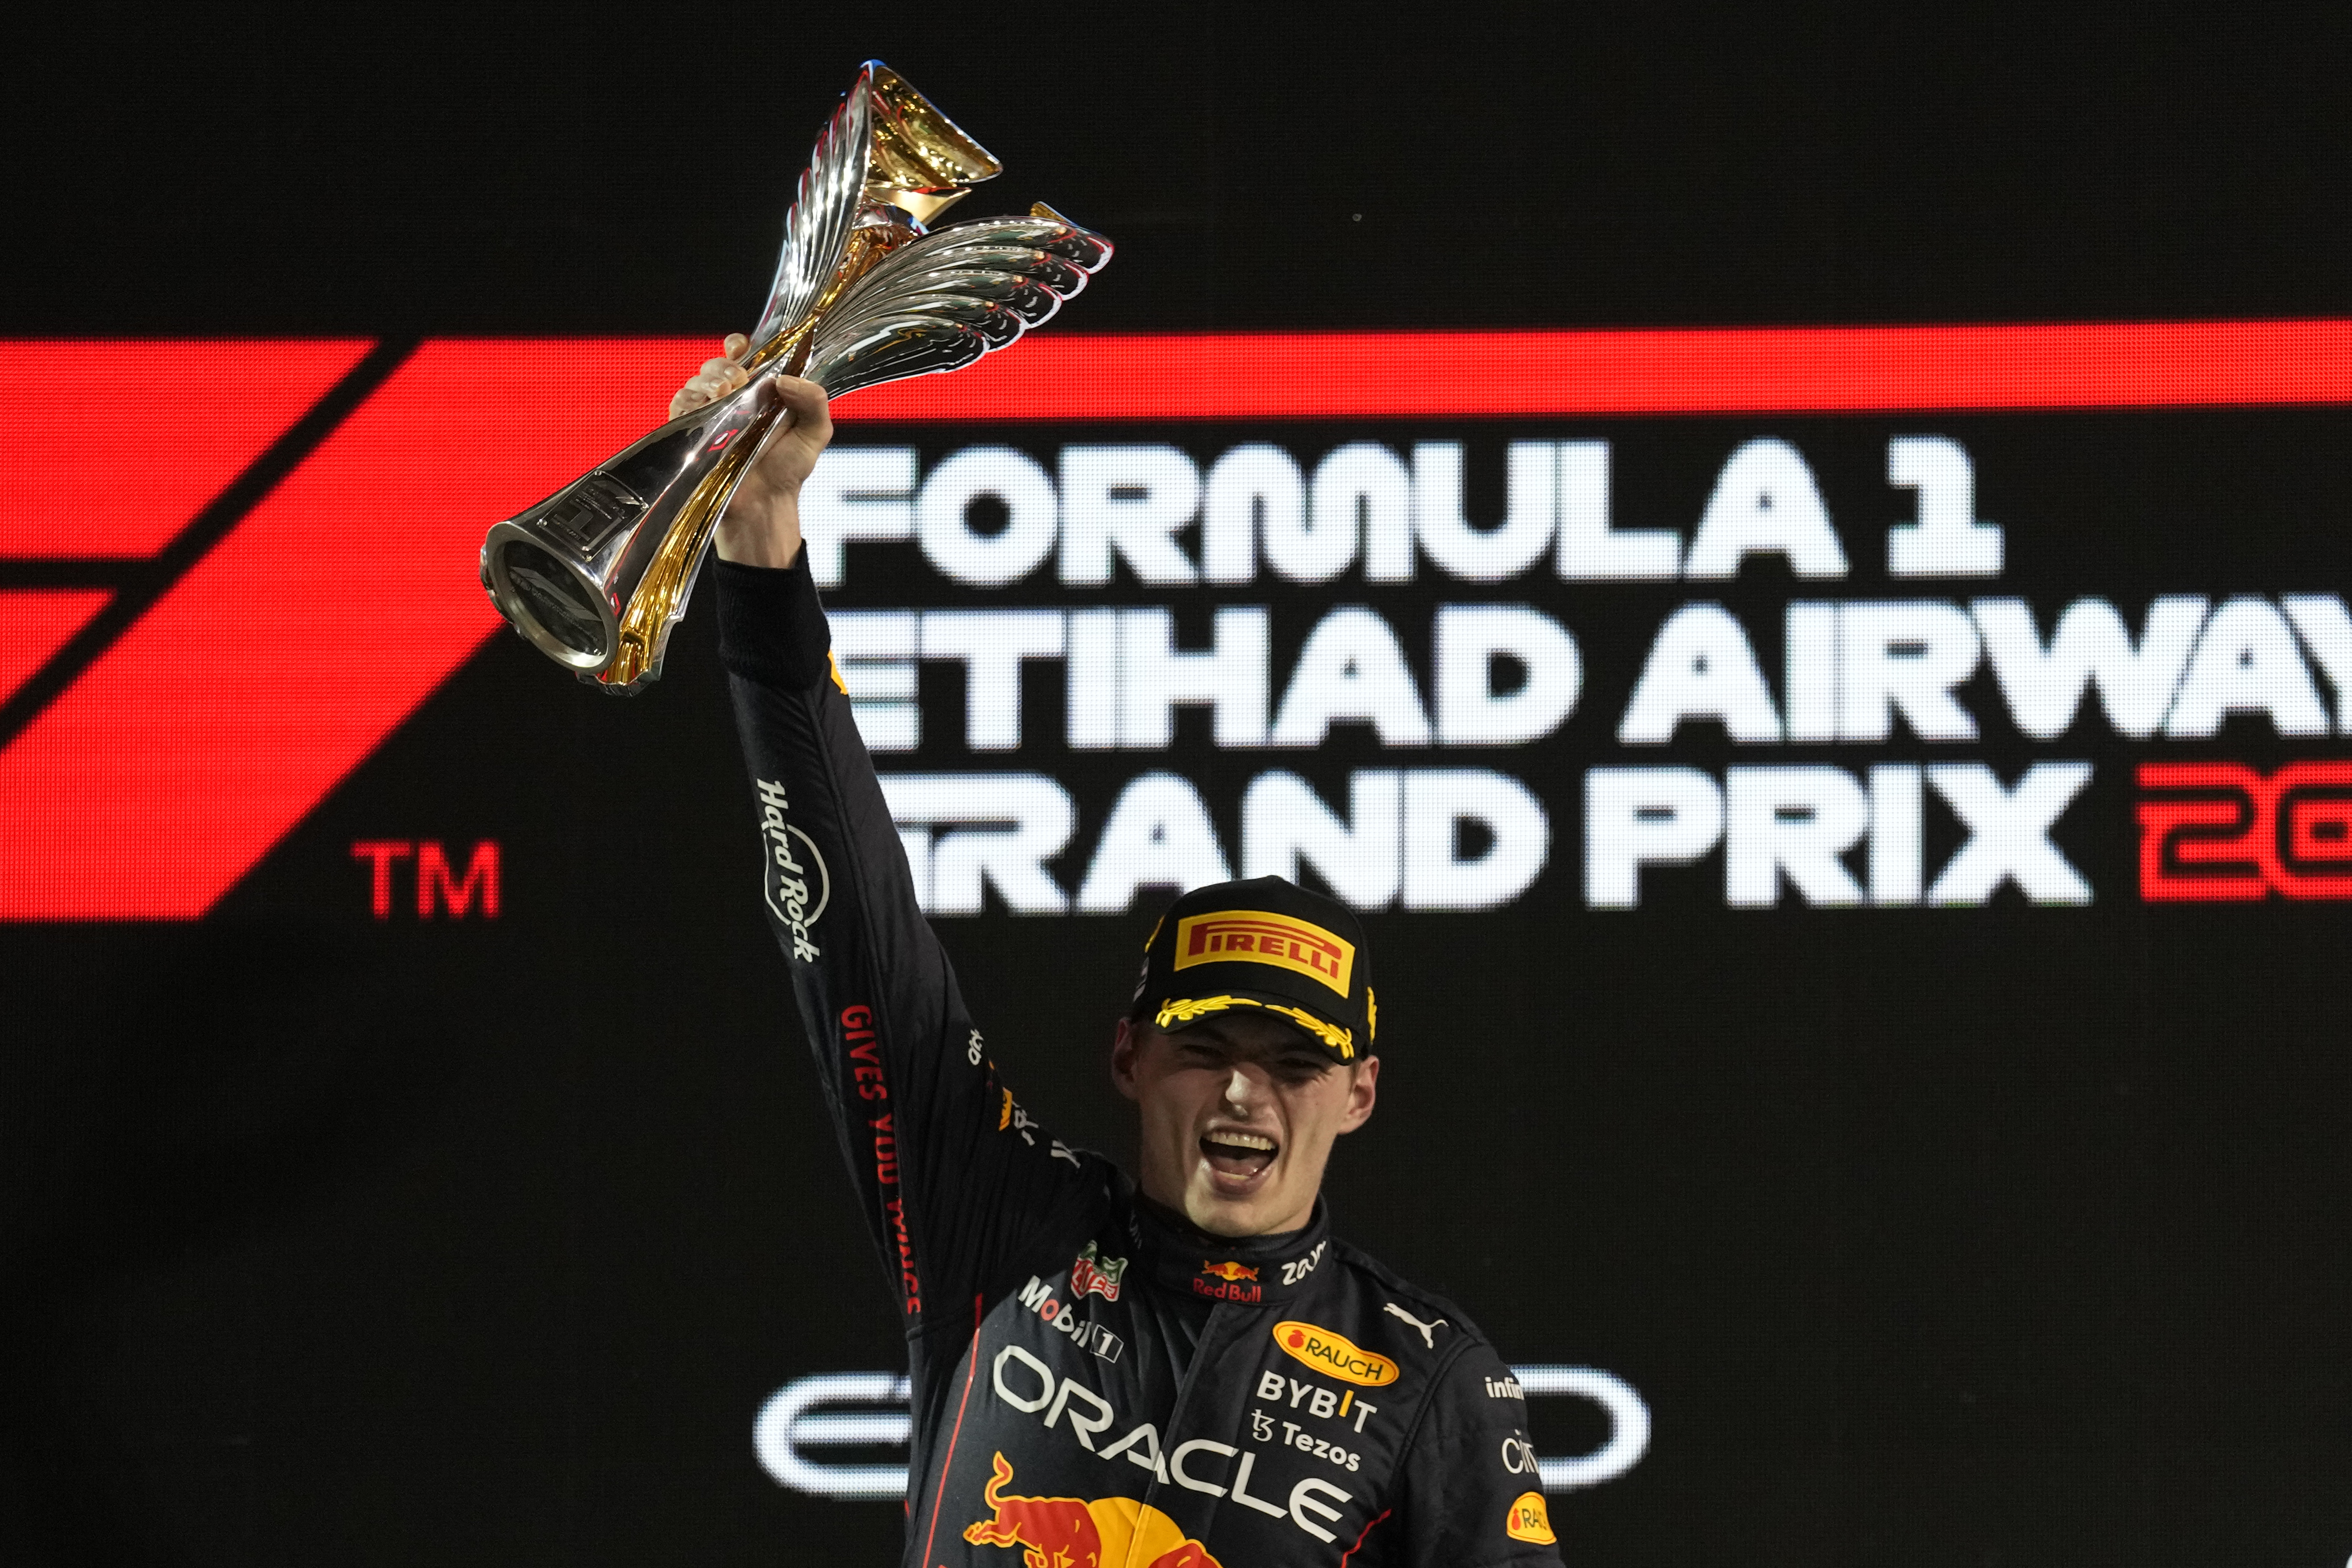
1427 1339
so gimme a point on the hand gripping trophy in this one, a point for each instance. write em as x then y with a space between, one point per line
597 574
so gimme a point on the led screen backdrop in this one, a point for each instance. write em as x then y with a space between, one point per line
1856 819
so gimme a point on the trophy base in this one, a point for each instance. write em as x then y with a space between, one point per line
550 601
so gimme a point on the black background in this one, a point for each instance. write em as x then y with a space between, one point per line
2004 1236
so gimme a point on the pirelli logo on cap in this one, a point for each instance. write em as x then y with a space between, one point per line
1254 936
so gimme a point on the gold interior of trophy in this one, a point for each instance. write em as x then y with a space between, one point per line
918 163
922 161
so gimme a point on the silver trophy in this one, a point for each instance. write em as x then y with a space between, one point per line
597 574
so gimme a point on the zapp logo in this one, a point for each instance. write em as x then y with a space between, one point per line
1083 1533
1254 936
1334 1355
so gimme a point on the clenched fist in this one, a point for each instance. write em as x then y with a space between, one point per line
762 523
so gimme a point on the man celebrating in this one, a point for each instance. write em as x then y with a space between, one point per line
1181 1371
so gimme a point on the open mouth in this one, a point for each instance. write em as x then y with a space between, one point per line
1238 1156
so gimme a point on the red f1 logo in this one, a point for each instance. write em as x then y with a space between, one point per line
2220 831
196 627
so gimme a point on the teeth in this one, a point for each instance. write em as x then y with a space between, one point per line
1243 1140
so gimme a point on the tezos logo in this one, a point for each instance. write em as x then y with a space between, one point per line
790 879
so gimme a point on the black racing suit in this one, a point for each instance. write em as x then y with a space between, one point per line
1094 1382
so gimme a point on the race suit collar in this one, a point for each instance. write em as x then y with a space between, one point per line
1246 1270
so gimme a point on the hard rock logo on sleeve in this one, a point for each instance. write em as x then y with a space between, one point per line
796 882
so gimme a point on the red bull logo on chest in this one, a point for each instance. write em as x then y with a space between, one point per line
1227 1281
1083 1533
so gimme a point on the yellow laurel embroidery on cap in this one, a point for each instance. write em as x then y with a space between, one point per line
1371 1016
1338 1039
1183 1010
1155 932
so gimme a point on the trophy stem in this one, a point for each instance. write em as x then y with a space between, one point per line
866 245
661 595
791 345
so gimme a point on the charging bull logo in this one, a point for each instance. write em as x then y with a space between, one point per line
1079 1533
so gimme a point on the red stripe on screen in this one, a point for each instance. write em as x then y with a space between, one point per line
112 447
35 623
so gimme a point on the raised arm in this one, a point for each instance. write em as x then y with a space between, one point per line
955 1181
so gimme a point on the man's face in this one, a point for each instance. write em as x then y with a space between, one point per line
1238 1112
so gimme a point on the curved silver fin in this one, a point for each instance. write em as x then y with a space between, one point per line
824 209
943 300
887 154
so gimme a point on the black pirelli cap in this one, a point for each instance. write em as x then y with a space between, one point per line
1263 945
